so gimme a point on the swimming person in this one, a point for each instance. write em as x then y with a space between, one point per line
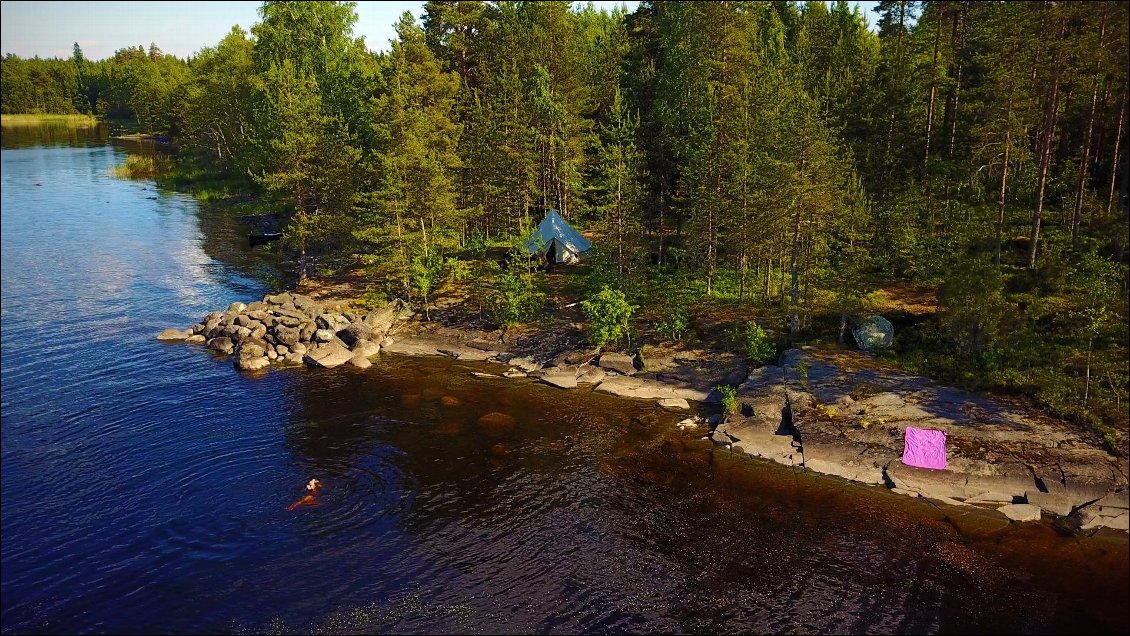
311 490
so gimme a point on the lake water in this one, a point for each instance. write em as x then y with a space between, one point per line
145 484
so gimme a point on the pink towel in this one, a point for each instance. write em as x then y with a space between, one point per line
925 448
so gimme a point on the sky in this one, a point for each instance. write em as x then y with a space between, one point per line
50 29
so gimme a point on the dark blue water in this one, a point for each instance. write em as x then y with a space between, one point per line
144 484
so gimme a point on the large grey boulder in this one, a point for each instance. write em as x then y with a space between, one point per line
328 355
873 332
323 335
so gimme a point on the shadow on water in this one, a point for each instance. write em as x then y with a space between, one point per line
54 134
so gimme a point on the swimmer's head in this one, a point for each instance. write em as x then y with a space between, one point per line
313 484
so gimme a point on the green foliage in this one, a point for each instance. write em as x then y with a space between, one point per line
608 313
674 322
752 340
373 298
729 398
515 298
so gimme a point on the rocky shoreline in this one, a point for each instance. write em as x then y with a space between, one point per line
836 417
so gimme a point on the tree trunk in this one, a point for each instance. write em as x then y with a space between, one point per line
794 318
1116 158
1077 211
1046 137
933 88
1004 182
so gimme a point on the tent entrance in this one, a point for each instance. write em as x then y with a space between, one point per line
551 253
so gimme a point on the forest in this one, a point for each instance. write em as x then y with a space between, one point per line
784 160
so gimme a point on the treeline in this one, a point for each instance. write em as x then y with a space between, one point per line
762 152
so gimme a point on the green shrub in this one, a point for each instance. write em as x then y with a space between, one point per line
674 323
514 298
372 298
729 398
754 342
608 313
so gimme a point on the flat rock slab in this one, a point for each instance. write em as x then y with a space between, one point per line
673 403
1021 512
564 378
411 346
625 386
524 364
174 334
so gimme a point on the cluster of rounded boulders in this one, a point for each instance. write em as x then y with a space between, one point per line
293 329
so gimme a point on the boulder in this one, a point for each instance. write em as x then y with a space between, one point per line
286 335
223 344
333 322
291 358
252 363
366 348
242 332
355 333
328 355
258 305
174 334
323 335
873 332
237 307
278 299
298 348
306 305
380 320
673 403
1021 512
617 362
360 361
252 348
196 338
272 354
306 331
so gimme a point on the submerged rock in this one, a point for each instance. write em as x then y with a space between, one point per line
175 334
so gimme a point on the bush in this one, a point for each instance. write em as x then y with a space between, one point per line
754 342
729 398
514 299
608 313
674 323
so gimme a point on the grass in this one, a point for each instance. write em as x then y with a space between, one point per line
30 120
139 167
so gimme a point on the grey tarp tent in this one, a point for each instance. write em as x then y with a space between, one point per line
557 241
